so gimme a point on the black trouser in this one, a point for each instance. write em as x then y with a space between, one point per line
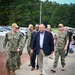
33 58
67 50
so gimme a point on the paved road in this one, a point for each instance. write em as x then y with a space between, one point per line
70 68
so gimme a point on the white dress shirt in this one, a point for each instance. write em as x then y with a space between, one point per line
41 39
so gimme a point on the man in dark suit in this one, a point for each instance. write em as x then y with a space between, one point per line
33 57
43 42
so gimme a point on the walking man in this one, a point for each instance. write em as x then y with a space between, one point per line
28 39
43 42
33 57
20 53
12 46
61 41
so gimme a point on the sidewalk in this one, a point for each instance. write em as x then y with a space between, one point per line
24 58
70 68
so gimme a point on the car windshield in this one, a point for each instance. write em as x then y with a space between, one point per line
73 30
2 29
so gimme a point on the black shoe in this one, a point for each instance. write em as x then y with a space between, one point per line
32 69
66 54
37 68
29 65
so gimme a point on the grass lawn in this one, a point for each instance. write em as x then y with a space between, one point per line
54 30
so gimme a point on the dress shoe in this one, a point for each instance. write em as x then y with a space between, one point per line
29 65
37 68
32 69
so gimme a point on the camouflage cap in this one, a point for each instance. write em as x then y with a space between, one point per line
14 25
30 26
60 25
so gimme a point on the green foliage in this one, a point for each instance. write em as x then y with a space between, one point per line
72 15
60 15
25 12
55 30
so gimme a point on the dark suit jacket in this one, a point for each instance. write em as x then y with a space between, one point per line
48 44
33 35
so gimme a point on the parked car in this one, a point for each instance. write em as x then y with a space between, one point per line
73 33
3 31
7 27
23 30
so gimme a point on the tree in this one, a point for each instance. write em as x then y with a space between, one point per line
60 15
25 12
4 11
71 15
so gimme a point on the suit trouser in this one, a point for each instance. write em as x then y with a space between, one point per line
33 58
43 62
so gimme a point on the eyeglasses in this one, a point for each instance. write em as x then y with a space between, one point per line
29 29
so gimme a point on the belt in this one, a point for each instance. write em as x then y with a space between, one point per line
41 48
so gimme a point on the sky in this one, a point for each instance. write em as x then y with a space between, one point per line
63 1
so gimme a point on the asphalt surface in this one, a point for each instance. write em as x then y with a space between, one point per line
69 68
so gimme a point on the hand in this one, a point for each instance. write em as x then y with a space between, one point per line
31 51
51 56
18 50
65 48
4 50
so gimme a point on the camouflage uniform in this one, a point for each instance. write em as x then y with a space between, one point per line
28 39
61 39
12 42
20 53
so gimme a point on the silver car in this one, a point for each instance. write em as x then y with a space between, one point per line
3 31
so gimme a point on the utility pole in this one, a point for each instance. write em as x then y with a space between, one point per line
40 12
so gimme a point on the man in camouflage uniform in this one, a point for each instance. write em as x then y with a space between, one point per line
28 39
20 53
61 41
12 45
